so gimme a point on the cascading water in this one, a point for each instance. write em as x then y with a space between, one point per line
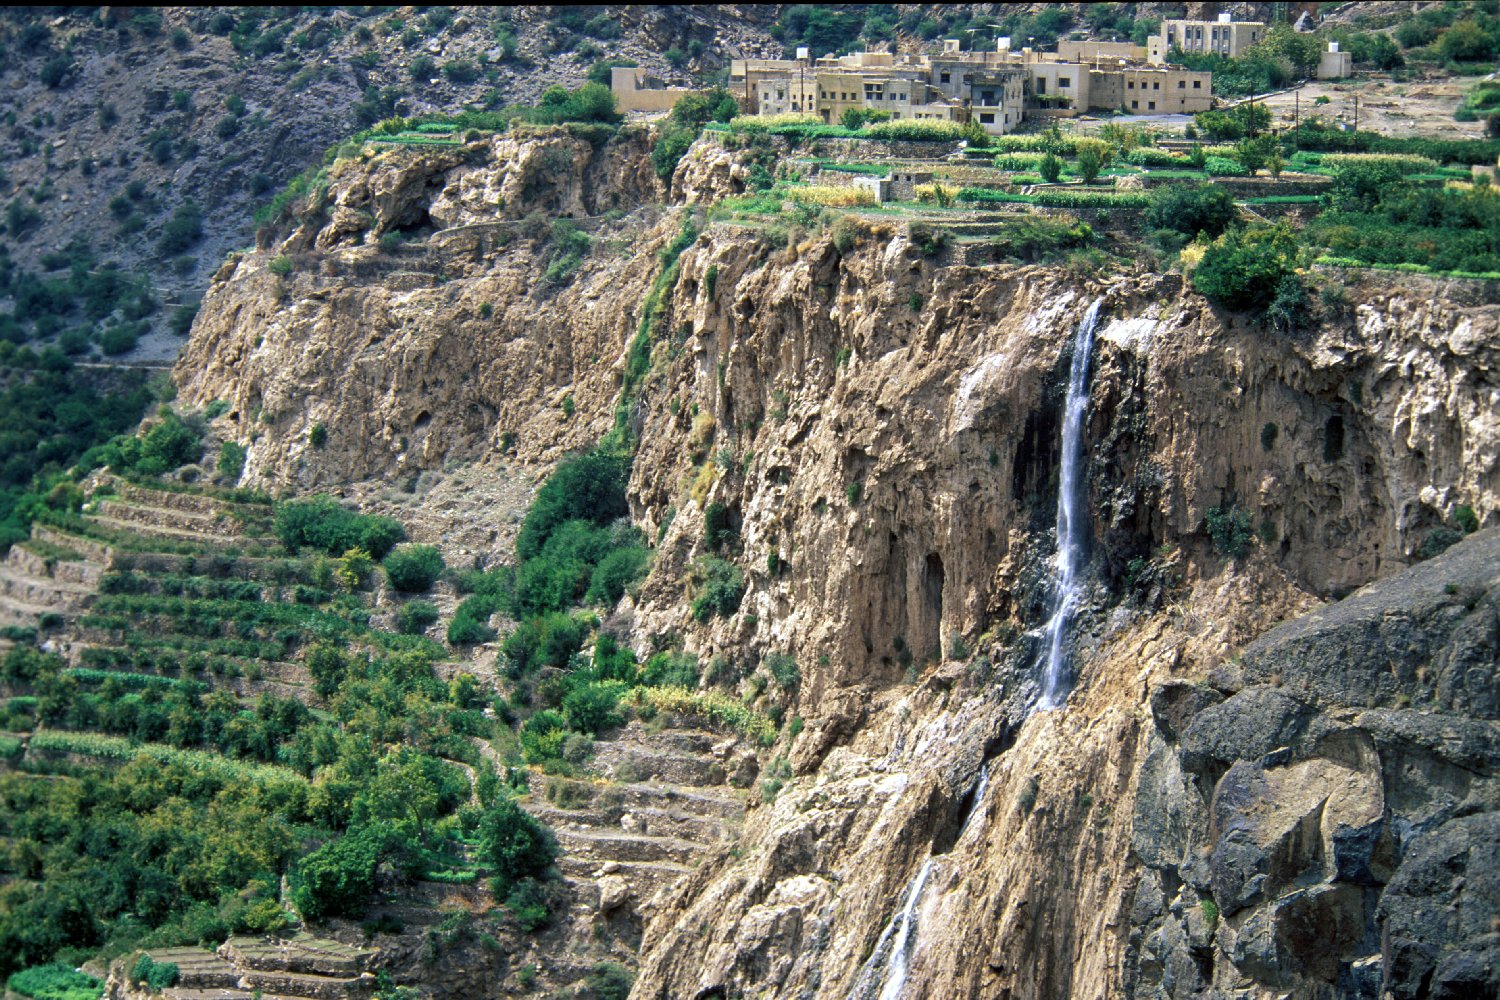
886 968
1072 523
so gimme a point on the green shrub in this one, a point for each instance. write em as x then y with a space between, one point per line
1438 541
784 671
670 668
322 524
156 975
1242 270
58 981
416 617
231 461
593 707
413 569
281 266
1229 528
542 737
513 845
1191 209
588 487
339 878
609 981
716 587
527 902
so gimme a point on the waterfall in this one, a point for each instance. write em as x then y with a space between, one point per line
1072 521
887 965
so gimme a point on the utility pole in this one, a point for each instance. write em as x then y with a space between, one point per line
1356 112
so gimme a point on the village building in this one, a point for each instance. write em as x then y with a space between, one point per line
995 89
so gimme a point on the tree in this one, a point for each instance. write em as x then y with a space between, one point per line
1360 186
588 487
413 569
1191 209
1466 41
1254 153
338 878
514 845
1050 168
1284 42
1089 165
1243 270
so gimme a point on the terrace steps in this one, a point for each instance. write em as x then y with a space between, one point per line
672 808
213 524
197 503
301 967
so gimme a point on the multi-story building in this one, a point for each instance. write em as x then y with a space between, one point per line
995 89
1224 36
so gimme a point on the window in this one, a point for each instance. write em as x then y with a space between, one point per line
1135 104
1155 84
1065 81
946 78
1130 84
1151 106
1181 85
987 117
1197 84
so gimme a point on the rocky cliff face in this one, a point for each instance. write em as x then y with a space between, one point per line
877 430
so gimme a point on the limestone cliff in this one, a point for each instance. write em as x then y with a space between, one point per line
876 429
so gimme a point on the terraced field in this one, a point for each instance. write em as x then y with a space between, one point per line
152 593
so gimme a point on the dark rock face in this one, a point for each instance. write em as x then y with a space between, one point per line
1323 820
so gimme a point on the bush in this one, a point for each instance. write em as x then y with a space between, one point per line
156 975
588 487
609 981
182 230
338 878
416 617
784 671
1243 270
58 981
1229 528
1191 209
593 707
527 902
513 845
413 569
716 588
322 524
231 461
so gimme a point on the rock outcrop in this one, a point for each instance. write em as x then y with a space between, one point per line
874 431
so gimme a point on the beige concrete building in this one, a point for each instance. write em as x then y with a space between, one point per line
1333 64
995 89
636 90
1223 36
1099 53
1151 90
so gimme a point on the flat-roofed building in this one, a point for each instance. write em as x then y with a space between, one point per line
1151 90
1099 52
637 90
1224 36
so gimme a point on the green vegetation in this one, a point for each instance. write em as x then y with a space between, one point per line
413 569
323 525
688 117
50 418
1229 529
57 981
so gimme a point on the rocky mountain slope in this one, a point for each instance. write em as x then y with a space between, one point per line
875 428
